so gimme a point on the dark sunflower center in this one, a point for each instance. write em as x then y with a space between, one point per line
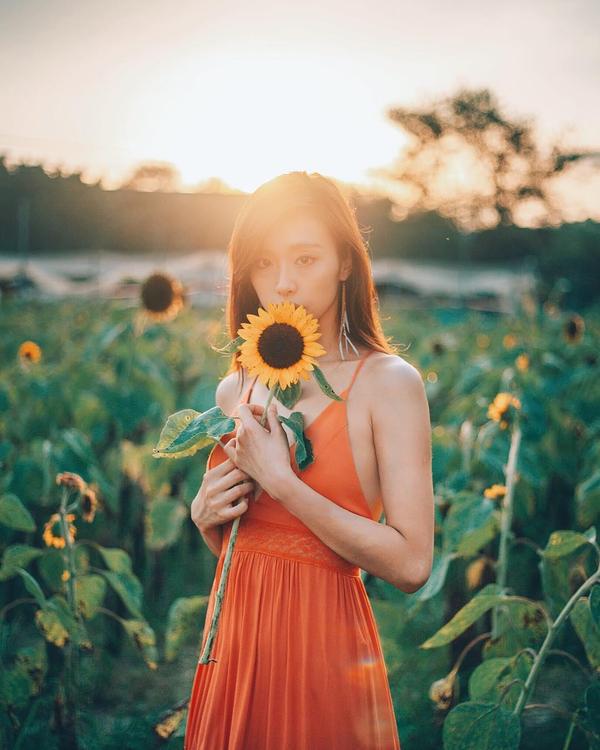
157 293
281 345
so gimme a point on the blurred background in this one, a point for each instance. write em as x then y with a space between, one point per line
467 136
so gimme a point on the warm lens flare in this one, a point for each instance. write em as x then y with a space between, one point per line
280 344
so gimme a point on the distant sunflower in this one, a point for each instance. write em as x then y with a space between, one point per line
70 479
161 297
89 503
498 410
495 492
474 573
280 344
29 351
522 362
52 534
442 691
573 328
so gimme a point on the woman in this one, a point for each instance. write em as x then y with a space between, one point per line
298 660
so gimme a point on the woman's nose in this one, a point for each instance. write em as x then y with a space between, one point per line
285 285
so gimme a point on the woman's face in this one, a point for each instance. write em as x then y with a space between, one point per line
298 263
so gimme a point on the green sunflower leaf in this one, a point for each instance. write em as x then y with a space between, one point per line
324 385
144 638
187 431
14 514
17 556
288 396
233 345
304 453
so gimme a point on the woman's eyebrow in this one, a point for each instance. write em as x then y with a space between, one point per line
303 245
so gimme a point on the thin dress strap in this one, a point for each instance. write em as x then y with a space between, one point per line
357 370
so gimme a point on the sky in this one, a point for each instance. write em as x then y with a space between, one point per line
248 90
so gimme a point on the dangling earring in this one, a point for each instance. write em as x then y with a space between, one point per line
345 327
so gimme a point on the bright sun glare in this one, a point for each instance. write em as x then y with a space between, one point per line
246 122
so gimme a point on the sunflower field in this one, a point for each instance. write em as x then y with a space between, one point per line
104 579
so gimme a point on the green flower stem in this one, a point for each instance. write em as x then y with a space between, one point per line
112 614
548 640
506 518
70 682
205 657
69 561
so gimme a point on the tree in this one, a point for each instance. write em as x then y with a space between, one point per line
469 162
153 177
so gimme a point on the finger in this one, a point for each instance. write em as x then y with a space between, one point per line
247 417
229 449
257 411
256 408
235 510
272 417
225 466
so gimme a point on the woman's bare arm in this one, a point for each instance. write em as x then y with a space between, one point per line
400 552
213 536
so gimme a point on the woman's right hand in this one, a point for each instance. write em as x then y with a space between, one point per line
221 495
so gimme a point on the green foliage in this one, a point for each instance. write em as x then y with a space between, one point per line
182 621
187 431
14 514
500 585
477 725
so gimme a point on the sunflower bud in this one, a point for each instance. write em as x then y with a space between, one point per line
441 691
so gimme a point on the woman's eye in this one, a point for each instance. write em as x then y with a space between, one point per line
301 258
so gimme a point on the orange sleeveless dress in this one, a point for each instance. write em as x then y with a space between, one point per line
299 663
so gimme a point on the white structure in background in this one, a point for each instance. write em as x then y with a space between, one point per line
204 274
481 285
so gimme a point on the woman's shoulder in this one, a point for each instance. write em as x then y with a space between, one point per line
229 391
387 372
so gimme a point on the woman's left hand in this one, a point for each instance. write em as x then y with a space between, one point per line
262 452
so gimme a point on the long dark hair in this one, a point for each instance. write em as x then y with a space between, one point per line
261 211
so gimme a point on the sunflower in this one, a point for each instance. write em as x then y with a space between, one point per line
498 409
495 492
474 574
573 328
280 344
52 533
162 297
172 720
89 503
442 691
29 351
70 479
